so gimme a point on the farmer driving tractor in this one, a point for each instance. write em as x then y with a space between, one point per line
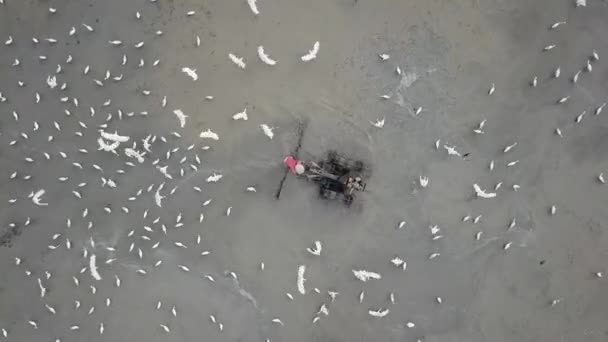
295 166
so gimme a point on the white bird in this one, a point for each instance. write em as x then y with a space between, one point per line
563 99
410 324
512 223
451 150
401 225
241 115
549 47
36 197
480 127
101 328
264 57
114 136
558 132
180 244
552 210
600 178
165 328
379 123
158 198
580 3
214 178
42 288
278 321
534 82
132 153
238 61
384 56
555 301
507 245
268 131
312 54
184 268
93 267
115 42
181 117
557 72
482 193
434 229
391 296
253 6
208 134
301 280
228 211
316 250
108 181
575 78
557 24
509 147
364 275
190 72
398 262
251 189
579 118
424 181
492 89
51 81
599 109
378 313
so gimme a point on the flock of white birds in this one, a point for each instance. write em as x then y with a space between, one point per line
112 140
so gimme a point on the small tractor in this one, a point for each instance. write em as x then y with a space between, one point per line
338 177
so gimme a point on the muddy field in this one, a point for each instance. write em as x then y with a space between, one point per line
507 95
